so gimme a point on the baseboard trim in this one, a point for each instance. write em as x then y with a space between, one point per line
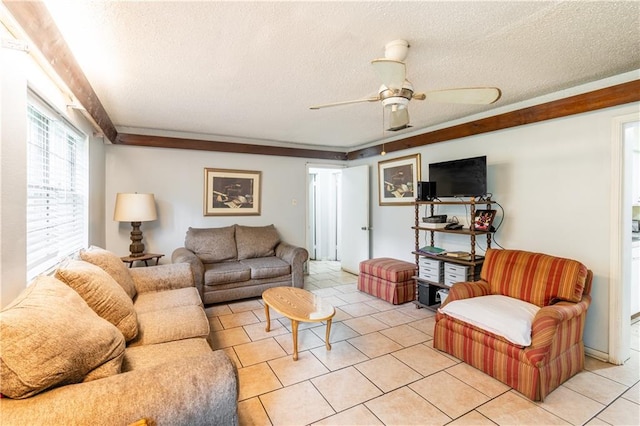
594 353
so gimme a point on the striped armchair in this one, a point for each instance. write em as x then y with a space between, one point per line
559 288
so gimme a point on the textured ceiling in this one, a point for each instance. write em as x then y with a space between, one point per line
248 71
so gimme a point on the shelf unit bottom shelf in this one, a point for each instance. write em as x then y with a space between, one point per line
426 296
419 305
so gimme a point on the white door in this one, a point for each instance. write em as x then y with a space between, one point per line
355 217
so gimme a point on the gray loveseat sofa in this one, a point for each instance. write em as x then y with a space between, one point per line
237 262
100 344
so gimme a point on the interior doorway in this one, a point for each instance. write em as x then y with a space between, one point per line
324 212
624 131
632 150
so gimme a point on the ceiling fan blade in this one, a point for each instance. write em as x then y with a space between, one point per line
371 99
399 119
391 72
471 95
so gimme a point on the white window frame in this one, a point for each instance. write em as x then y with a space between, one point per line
57 187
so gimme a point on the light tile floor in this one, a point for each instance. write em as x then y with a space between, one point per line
382 369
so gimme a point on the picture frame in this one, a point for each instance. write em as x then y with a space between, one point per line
398 180
483 220
232 192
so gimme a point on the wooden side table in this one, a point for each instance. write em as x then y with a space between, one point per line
144 258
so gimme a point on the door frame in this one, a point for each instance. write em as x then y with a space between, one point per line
620 228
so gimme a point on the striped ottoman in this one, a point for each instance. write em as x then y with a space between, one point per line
388 279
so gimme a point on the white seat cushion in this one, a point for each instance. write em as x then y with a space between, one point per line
501 315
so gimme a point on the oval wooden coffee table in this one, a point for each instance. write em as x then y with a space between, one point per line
298 305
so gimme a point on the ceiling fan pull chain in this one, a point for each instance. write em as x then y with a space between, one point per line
383 151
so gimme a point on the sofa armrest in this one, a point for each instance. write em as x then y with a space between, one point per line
184 255
194 390
555 328
162 277
468 289
465 290
295 256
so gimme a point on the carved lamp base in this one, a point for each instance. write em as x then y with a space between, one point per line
136 248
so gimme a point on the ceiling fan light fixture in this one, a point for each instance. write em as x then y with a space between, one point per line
394 96
396 50
396 102
398 119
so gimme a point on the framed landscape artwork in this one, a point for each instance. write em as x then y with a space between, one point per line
398 179
231 192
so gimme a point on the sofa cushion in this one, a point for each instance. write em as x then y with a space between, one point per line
102 293
109 368
503 316
51 337
180 322
147 356
226 272
113 265
212 244
256 241
161 300
267 267
159 278
534 277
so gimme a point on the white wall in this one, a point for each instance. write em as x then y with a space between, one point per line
176 177
13 206
553 180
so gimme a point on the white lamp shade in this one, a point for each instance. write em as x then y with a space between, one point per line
135 208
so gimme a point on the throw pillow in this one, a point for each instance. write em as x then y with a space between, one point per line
256 241
51 337
113 265
102 293
212 245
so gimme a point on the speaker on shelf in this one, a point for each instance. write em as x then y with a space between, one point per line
426 191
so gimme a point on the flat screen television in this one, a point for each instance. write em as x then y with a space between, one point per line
460 178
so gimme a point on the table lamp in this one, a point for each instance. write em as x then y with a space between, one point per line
135 208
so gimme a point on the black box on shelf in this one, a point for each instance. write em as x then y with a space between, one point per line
427 294
426 191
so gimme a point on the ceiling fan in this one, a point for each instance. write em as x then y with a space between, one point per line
396 91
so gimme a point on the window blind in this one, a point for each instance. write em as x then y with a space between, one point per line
57 188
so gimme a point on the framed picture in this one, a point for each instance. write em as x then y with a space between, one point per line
398 179
483 220
231 192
